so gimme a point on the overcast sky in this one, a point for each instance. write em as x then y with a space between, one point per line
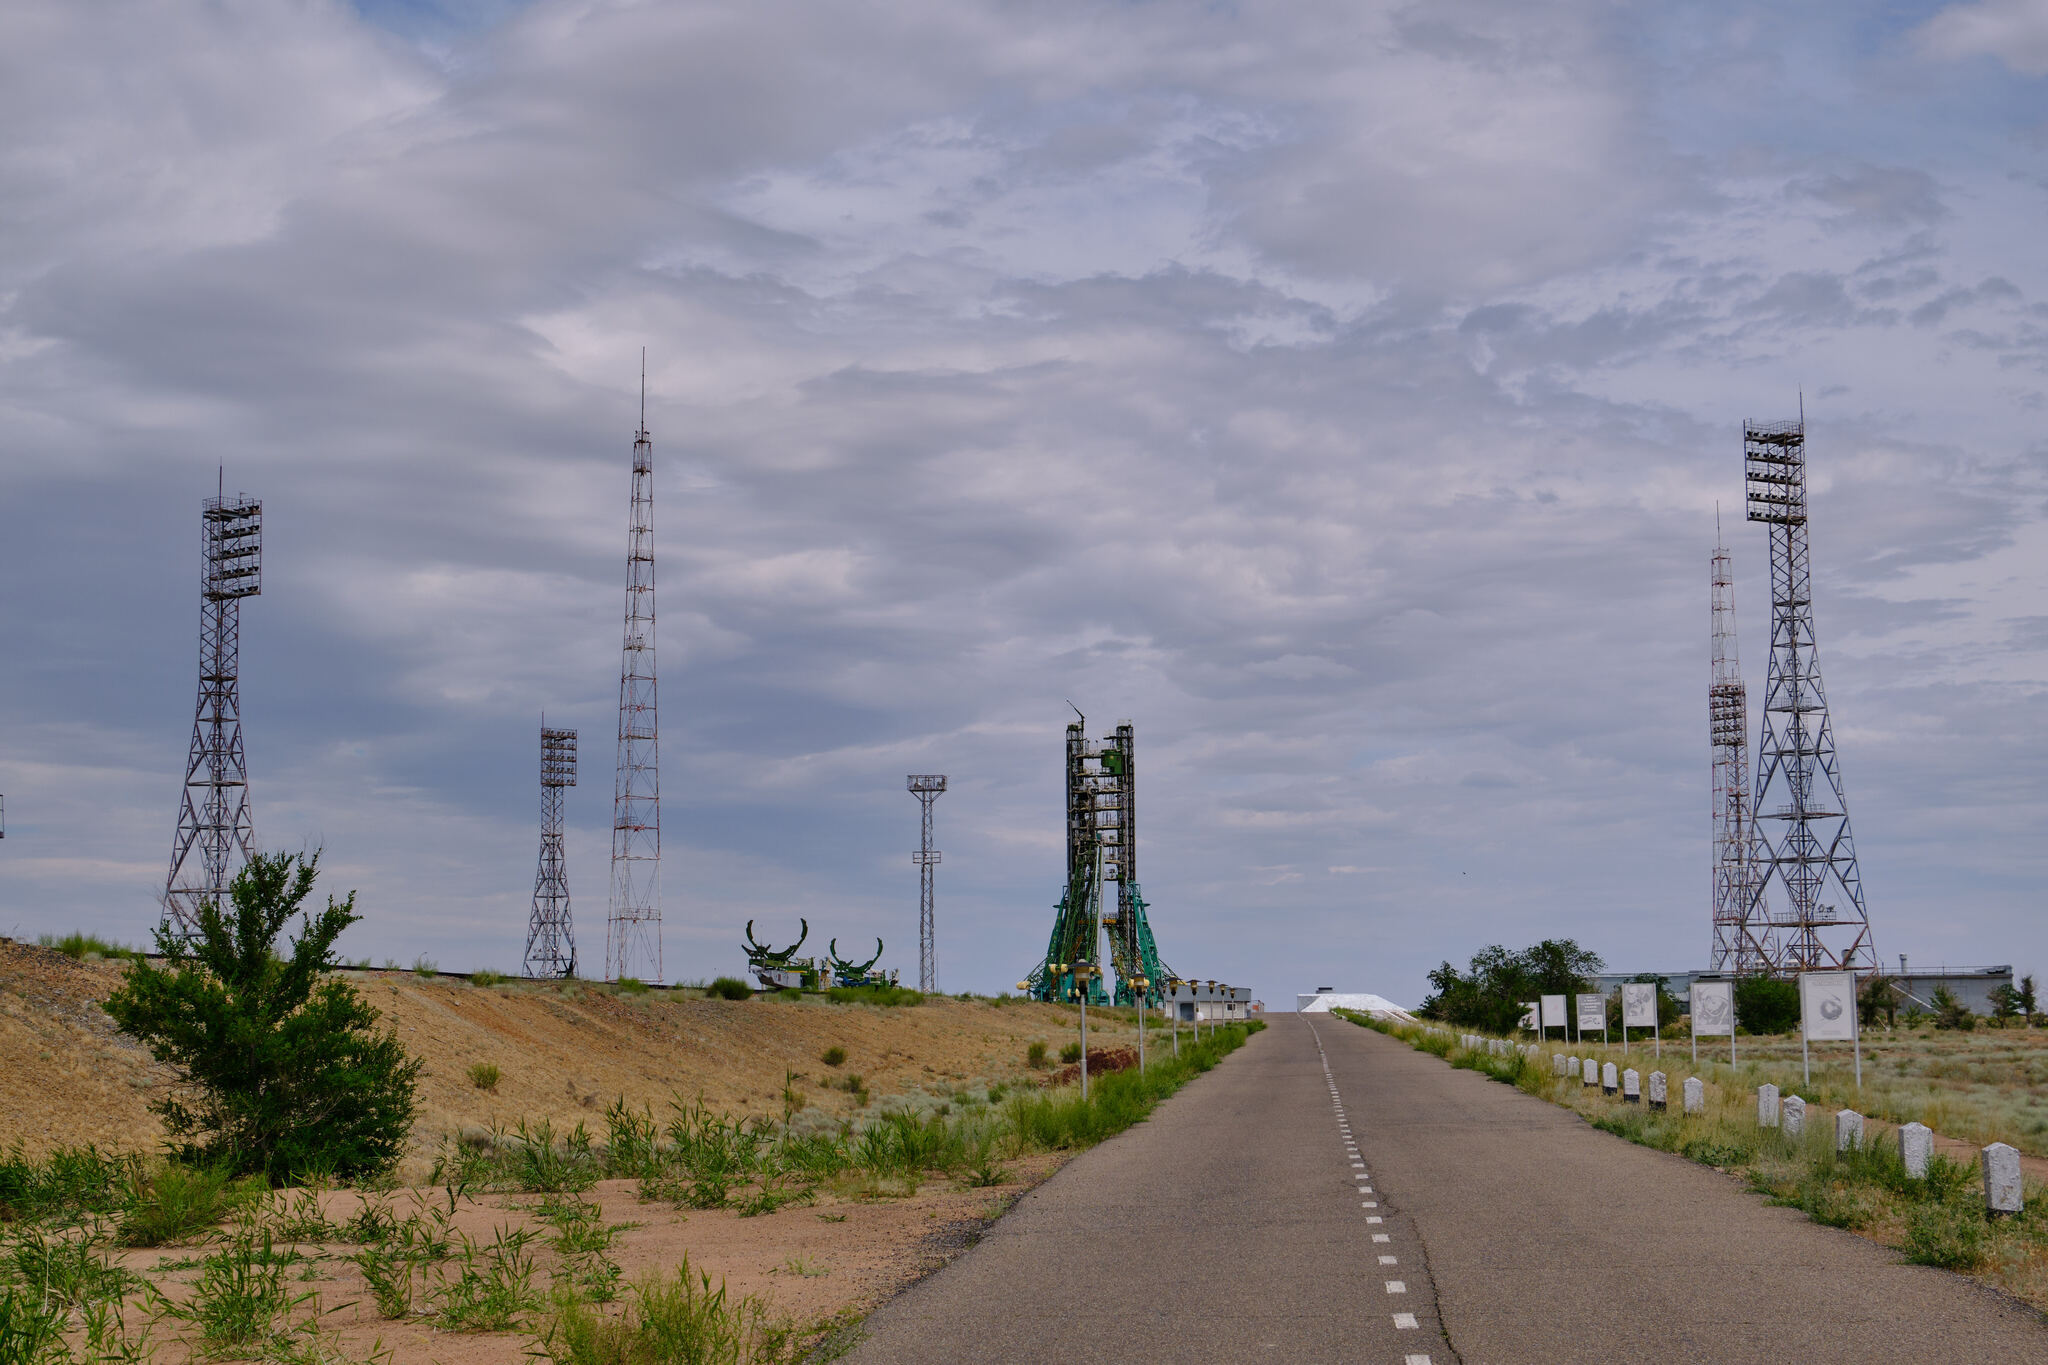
1340 391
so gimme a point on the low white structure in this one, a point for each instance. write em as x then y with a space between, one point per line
1795 1116
1695 1095
1378 1006
1848 1131
1209 1002
2003 1193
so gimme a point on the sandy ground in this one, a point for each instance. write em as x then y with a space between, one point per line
564 1053
809 1265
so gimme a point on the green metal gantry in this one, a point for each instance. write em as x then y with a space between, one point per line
1102 848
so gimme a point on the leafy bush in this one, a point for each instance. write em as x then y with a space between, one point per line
631 985
1766 1004
72 1184
729 988
281 1072
485 1075
1034 1055
1949 1012
834 1056
1071 1053
425 966
487 977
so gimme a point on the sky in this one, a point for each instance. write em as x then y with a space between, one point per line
1341 392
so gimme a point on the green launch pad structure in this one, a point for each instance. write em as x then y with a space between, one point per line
1102 849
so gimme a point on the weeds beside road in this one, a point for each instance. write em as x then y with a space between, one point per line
526 1231
1938 1221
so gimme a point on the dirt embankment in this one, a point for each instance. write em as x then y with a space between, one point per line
563 1052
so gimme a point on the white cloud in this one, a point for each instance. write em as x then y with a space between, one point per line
2014 32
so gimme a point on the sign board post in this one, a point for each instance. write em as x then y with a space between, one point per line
1639 1009
1554 1016
1713 1014
1827 1013
1593 1014
1528 1019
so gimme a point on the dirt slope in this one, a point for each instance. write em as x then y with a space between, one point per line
563 1053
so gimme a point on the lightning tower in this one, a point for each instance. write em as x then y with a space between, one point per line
1812 855
550 938
215 831
926 788
1734 828
633 931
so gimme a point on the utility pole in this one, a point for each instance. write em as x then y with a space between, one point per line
550 938
633 929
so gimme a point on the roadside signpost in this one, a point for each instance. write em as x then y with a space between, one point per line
1827 1014
1639 1010
1713 1014
1593 1015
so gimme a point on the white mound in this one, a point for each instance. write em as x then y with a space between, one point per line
1364 1002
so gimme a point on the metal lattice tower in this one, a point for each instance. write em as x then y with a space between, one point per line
1812 857
215 831
633 931
550 936
926 788
1735 850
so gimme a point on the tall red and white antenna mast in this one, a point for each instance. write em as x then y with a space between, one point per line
633 931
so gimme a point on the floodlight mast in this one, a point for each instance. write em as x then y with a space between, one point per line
215 829
633 929
550 935
1738 947
926 787
1798 775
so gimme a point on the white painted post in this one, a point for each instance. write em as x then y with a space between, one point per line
2003 1194
1916 1145
1767 1106
1589 1073
1610 1079
1695 1095
1660 1089
1848 1131
1795 1116
1631 1087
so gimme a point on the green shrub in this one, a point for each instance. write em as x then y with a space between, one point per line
729 988
670 1321
175 1204
1948 1236
1071 1053
87 945
425 966
834 1056
1034 1055
1766 1004
281 1070
631 985
484 1075
70 1185
487 977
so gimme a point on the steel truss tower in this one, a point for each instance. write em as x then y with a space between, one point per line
926 788
1102 847
215 831
1812 856
550 937
633 931
1735 850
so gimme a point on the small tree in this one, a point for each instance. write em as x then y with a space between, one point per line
1766 1004
1878 997
2029 1004
281 1072
2005 1004
1950 1012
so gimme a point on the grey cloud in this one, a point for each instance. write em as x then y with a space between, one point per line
1883 196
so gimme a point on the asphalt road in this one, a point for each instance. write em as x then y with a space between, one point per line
1471 1223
